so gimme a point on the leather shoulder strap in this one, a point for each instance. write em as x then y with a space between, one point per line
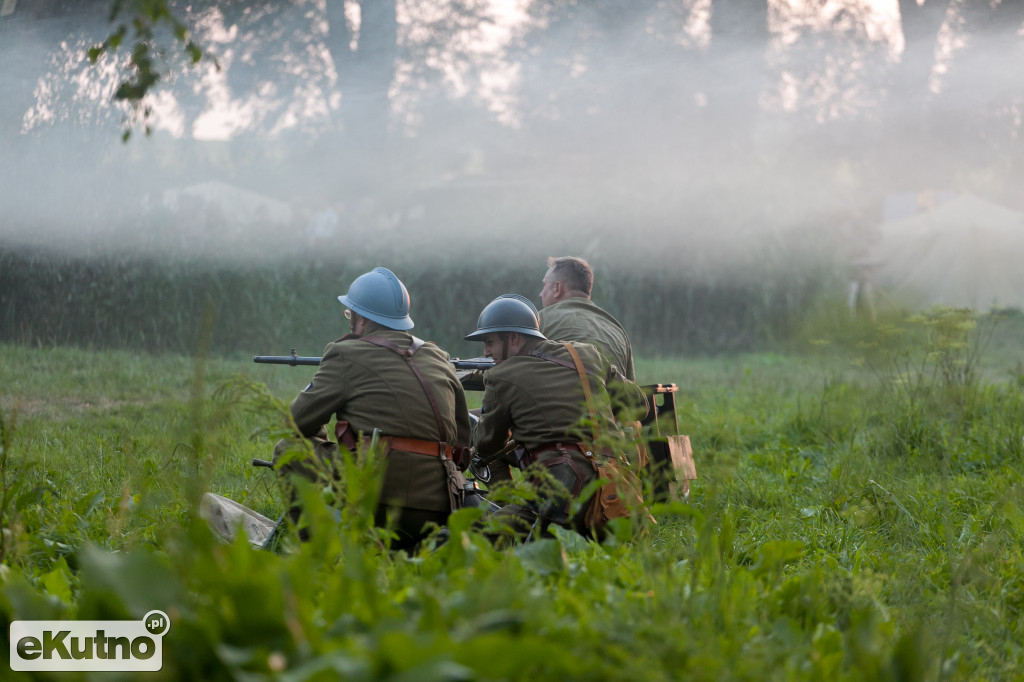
406 355
587 395
417 343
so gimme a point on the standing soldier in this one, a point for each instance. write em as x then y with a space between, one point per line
535 395
380 377
568 314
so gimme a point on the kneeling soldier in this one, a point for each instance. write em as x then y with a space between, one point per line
535 394
380 377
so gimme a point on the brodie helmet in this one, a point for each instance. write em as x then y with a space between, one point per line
507 313
380 296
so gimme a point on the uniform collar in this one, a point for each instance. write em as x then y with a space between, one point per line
577 300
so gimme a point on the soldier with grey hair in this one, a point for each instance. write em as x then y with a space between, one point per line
568 314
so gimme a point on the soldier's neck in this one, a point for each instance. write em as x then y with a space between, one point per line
372 328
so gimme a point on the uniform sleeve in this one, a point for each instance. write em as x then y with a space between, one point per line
629 370
494 429
324 396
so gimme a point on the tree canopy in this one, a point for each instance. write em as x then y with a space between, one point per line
754 114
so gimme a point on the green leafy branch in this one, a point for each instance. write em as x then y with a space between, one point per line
145 18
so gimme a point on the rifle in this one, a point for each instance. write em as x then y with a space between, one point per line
312 360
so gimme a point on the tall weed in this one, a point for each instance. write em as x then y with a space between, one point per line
927 368
807 551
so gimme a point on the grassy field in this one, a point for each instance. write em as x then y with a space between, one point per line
857 517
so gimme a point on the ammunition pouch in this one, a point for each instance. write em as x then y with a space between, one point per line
620 491
344 436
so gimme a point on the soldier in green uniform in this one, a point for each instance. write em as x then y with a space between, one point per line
568 314
380 377
535 395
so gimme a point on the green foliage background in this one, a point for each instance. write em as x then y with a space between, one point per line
127 302
857 517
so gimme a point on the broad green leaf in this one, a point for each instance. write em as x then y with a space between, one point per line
545 557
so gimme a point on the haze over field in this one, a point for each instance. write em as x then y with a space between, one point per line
718 138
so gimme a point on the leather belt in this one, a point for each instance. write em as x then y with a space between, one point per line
555 447
421 447
567 447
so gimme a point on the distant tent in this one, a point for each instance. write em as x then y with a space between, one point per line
237 205
968 252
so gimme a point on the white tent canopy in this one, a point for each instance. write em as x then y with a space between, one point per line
235 204
968 252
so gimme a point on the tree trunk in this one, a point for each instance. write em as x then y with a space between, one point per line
973 118
374 64
339 39
365 77
903 144
735 63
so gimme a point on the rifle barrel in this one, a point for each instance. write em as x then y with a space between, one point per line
292 360
313 361
473 363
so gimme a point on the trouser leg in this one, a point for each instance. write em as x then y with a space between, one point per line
566 478
516 522
411 526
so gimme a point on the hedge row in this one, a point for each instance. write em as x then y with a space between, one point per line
160 305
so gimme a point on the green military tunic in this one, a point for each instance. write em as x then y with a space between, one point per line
373 387
539 401
580 319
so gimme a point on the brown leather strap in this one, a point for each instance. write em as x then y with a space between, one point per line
407 356
420 447
587 395
556 447
343 435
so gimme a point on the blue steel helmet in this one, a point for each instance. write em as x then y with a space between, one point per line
507 313
381 297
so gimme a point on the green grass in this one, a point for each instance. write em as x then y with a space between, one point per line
849 523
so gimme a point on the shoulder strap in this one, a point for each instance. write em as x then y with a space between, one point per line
587 395
407 354
417 343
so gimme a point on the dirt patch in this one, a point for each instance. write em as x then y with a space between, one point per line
57 409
